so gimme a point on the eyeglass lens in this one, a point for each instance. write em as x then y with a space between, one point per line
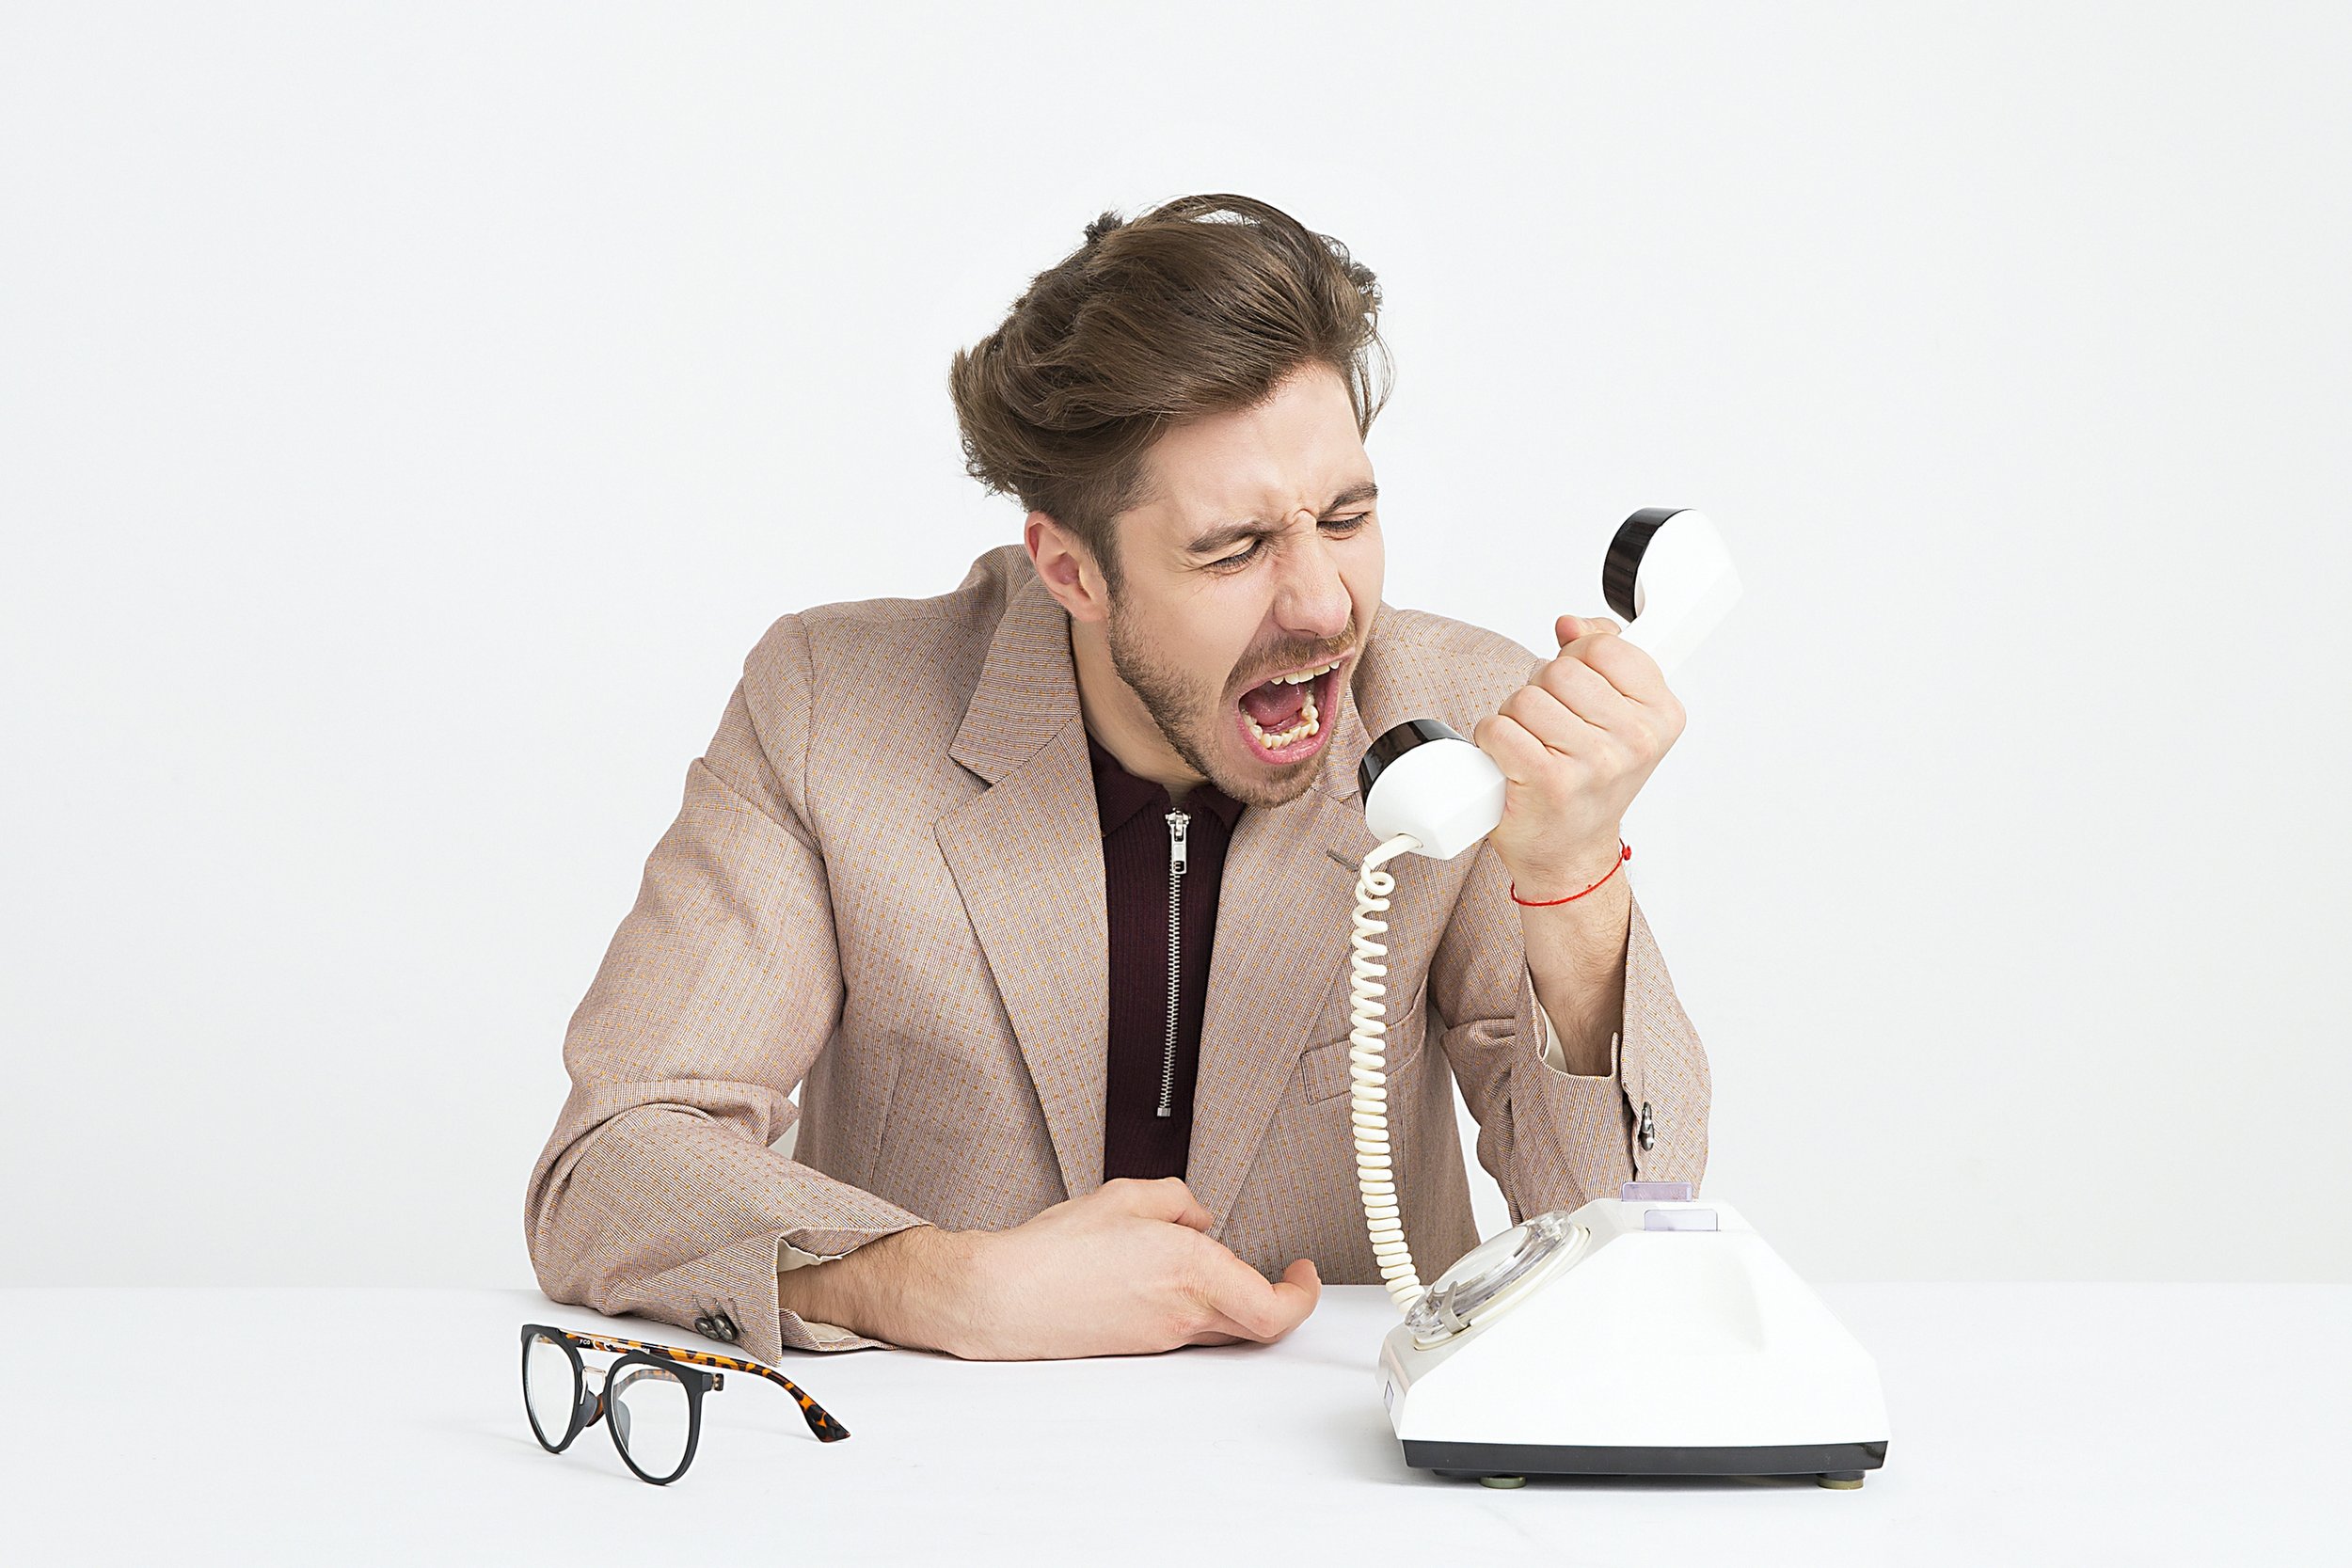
652 1416
551 1390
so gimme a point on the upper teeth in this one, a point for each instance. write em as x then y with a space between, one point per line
1304 674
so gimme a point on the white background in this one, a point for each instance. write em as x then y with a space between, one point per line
410 415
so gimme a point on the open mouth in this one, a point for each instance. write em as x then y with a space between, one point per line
1286 720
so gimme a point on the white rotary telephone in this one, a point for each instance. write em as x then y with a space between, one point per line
1651 1332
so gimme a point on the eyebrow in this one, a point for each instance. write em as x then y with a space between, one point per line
1233 534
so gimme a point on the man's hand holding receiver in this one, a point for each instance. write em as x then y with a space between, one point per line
1576 744
1128 1269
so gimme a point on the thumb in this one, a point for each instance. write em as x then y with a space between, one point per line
1304 1278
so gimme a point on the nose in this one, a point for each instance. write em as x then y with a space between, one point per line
1310 599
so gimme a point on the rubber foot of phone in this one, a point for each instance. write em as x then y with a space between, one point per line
1839 1482
1504 1482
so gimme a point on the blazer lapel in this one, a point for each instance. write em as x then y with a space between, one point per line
1028 861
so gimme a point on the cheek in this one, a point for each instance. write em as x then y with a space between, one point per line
1364 579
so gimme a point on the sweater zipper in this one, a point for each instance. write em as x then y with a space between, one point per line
1177 822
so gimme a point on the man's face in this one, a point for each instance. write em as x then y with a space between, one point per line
1260 557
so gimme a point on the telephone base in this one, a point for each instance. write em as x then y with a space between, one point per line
1650 1334
1543 1459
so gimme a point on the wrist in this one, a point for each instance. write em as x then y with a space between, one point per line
906 1289
940 1292
1576 879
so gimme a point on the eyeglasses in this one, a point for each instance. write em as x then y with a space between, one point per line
651 1398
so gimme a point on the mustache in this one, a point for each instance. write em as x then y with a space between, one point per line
1303 660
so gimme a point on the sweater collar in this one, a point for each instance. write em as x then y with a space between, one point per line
1119 794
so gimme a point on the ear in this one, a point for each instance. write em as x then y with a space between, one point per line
1067 568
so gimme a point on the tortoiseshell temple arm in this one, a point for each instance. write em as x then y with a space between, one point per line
824 1426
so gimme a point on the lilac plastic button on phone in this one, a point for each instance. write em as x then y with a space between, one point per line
1655 1192
1679 1219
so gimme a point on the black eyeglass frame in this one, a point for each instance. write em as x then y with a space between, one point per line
673 1360
587 1408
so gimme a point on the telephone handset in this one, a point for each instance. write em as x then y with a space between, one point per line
1427 790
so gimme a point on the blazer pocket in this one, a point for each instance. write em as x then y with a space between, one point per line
1323 1069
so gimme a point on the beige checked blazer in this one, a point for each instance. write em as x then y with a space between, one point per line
885 887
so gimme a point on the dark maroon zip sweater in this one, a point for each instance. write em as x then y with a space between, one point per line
1137 853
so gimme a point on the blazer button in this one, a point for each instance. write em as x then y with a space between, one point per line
1648 1136
723 1327
704 1327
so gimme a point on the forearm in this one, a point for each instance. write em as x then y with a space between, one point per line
1576 955
905 1288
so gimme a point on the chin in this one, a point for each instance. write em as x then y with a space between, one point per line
1258 784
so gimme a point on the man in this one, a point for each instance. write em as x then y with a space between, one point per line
921 872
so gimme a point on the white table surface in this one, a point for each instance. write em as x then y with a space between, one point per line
2031 1423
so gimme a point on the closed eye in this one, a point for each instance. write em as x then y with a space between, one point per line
1346 526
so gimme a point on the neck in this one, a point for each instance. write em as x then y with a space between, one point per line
1116 717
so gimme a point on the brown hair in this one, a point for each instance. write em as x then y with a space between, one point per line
1201 306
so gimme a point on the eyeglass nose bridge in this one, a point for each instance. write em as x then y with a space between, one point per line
590 1396
597 1385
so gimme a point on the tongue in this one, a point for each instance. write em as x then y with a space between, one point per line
1275 708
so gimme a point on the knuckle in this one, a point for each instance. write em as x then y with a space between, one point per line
1565 676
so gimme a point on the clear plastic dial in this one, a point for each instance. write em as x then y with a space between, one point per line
1483 1280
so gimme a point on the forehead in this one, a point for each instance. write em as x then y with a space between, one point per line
1299 448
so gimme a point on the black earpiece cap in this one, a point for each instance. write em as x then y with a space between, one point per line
1624 561
1395 743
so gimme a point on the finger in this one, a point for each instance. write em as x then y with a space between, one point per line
1220 1329
1262 1310
1590 692
1567 629
1167 1198
1519 754
1631 669
1540 712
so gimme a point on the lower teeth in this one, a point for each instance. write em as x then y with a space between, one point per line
1310 724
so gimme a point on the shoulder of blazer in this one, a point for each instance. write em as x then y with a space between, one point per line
868 655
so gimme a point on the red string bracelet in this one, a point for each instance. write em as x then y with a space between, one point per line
1627 854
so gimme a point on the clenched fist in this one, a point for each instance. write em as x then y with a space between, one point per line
1576 744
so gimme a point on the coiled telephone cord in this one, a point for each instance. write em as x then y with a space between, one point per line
1367 1053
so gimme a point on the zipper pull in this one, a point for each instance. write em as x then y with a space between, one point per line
1177 822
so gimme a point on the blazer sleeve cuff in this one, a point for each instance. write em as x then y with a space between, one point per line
738 1281
798 1332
